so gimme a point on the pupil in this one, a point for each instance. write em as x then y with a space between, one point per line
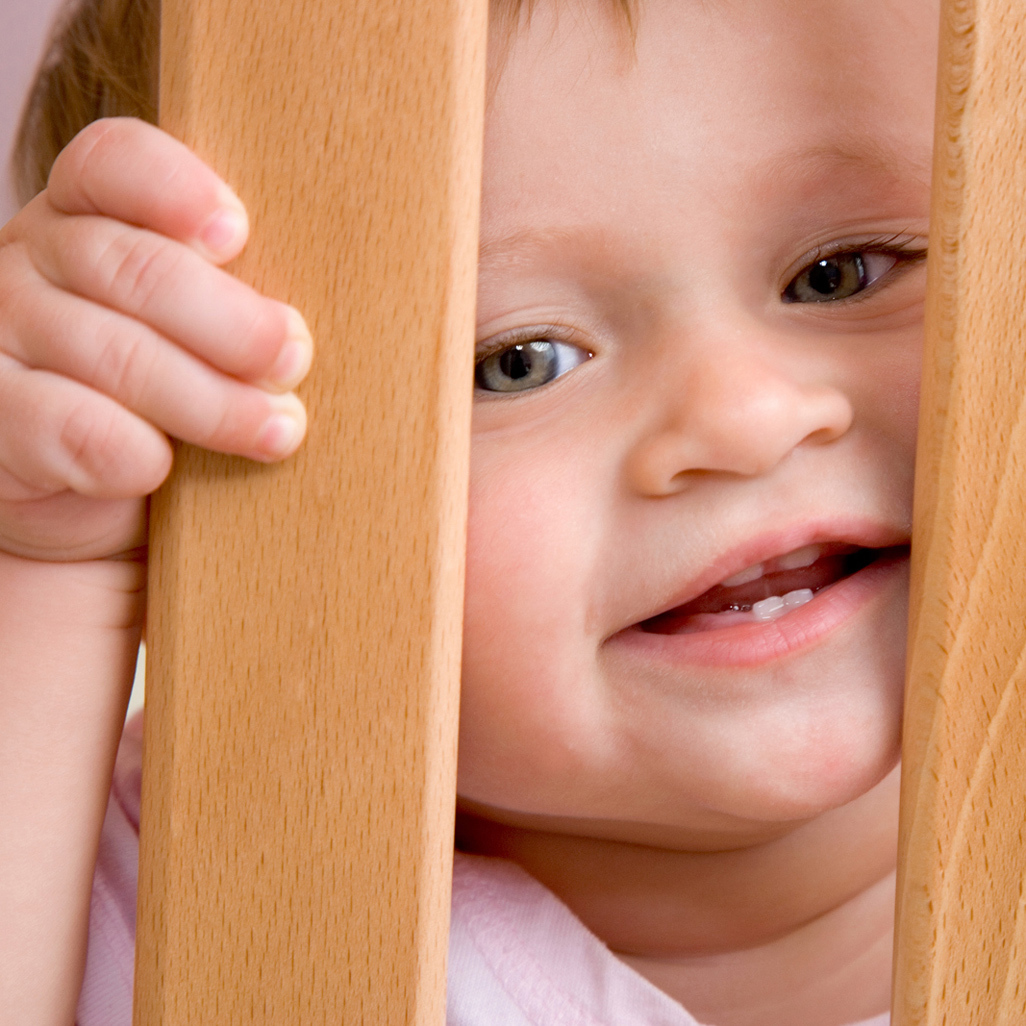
515 363
825 277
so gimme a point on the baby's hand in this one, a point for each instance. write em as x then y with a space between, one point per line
118 329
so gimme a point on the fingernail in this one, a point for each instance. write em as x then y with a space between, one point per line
284 428
293 363
226 229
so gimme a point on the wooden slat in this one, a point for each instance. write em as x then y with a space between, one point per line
305 620
961 956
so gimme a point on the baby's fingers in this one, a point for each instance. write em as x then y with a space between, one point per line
175 291
165 385
58 435
130 171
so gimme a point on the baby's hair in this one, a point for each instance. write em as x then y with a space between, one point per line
509 12
102 61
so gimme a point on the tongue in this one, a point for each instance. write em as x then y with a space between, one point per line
826 570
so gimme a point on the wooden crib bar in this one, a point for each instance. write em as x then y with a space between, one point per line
961 956
305 620
304 629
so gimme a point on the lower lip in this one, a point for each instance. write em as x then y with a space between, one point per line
752 644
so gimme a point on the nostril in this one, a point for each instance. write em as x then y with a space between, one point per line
831 416
740 418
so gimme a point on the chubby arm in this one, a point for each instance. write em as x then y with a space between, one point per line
68 637
117 329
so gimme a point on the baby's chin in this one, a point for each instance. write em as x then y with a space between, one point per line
735 817
802 791
683 773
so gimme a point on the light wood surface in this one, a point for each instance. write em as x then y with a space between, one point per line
304 632
961 956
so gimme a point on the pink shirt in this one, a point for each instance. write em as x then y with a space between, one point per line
517 955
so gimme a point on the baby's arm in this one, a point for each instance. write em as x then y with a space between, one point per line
117 329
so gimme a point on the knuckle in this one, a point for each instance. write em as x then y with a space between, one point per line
25 306
14 282
97 160
173 178
218 426
90 441
134 266
100 132
103 455
262 331
124 364
79 159
230 425
222 431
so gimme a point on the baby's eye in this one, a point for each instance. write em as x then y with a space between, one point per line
838 276
527 365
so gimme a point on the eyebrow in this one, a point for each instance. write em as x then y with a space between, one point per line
866 152
523 241
861 152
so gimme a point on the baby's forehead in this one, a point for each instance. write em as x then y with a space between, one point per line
837 54
720 103
620 20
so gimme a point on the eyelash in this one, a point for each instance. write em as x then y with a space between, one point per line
906 254
523 338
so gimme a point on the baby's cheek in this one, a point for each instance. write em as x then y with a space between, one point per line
527 695
530 550
886 390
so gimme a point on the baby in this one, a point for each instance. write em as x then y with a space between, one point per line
699 327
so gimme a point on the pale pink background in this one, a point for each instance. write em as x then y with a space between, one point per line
23 25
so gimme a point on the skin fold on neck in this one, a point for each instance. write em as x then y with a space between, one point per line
793 928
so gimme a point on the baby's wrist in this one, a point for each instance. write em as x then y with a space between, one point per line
65 597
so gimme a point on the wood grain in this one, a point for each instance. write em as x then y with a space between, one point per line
961 920
304 631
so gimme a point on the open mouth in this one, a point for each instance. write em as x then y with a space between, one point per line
769 590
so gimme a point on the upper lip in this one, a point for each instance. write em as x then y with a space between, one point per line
769 545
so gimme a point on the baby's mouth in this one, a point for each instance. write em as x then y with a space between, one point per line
769 590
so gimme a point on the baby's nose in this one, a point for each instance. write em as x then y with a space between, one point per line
735 417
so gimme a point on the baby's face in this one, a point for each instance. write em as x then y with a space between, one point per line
691 484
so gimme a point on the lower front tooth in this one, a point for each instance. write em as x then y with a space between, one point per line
769 608
776 605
